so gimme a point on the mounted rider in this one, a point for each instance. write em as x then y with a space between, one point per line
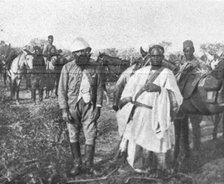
50 53
50 50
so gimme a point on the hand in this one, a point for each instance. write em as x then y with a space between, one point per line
96 113
124 101
115 107
151 87
66 116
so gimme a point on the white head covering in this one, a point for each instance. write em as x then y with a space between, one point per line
79 44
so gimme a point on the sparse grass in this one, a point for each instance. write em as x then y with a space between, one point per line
30 134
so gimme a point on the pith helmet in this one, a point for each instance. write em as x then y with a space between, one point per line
79 44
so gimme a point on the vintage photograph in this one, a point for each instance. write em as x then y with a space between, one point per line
111 91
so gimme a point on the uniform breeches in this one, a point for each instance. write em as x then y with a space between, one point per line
50 79
82 117
37 81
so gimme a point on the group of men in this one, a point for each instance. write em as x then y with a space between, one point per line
42 73
147 105
45 71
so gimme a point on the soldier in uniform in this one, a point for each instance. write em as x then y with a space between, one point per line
80 97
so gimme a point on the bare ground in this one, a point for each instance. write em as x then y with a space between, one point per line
35 149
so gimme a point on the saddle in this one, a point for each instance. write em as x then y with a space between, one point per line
188 84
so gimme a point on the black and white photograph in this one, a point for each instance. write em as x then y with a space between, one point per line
111 92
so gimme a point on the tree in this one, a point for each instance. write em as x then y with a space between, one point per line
212 48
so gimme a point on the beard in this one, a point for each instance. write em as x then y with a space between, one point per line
82 60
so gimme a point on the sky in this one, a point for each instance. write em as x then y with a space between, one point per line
113 23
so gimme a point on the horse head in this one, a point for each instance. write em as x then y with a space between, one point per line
112 66
20 64
101 59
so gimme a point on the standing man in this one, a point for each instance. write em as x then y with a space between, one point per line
80 97
189 74
37 74
50 53
147 108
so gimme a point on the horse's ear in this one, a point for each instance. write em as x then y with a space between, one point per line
143 53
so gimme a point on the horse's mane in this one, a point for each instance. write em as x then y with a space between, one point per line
113 60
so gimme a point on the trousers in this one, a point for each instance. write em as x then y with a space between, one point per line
82 117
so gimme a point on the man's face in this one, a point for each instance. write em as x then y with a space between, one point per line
82 57
37 51
50 40
189 53
156 57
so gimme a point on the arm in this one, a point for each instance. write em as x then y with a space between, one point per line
175 96
99 97
62 95
119 87
63 89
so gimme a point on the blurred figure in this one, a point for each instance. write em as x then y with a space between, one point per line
50 53
37 74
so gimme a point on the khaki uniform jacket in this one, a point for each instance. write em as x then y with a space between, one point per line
69 85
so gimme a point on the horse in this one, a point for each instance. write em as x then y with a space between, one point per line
4 55
16 72
60 62
3 70
111 68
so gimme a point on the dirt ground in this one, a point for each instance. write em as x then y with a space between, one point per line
35 149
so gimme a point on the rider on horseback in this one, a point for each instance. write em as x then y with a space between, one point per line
49 51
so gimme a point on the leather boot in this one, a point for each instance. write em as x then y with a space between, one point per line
76 154
89 156
47 94
33 95
40 95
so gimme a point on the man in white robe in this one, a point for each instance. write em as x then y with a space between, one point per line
148 104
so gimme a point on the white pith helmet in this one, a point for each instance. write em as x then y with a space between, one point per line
79 44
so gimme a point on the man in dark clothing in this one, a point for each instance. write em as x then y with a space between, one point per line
37 76
61 61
